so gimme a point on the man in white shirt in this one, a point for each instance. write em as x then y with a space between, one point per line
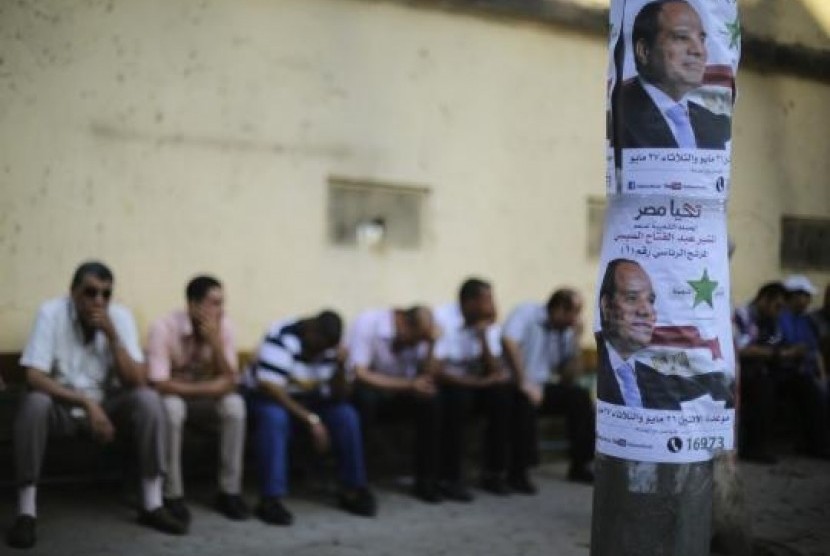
86 374
471 372
541 347
391 357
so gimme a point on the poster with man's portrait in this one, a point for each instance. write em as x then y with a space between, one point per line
671 88
666 364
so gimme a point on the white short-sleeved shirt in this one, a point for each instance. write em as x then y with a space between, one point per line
370 343
279 362
543 349
56 347
458 348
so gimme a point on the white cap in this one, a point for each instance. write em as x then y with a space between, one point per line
799 283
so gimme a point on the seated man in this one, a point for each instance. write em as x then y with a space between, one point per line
471 371
390 353
760 347
193 364
298 376
541 346
803 379
85 373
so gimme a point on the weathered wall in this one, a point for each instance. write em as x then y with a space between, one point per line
169 138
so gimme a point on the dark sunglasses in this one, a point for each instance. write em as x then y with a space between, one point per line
92 292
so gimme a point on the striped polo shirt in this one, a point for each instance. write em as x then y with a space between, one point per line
279 361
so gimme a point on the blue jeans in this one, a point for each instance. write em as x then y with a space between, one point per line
272 432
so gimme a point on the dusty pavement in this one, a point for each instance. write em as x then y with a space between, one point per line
790 505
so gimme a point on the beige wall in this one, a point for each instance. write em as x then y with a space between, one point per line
174 137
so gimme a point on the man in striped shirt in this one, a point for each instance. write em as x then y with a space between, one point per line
298 378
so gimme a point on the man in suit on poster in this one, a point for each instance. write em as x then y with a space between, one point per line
627 318
670 55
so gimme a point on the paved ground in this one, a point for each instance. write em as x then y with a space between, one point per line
790 505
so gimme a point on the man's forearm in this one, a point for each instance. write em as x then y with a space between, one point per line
513 358
130 371
381 381
40 381
220 359
202 389
284 399
572 368
460 380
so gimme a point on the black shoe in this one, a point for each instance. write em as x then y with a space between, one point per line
455 491
232 506
162 519
22 533
359 501
178 509
494 484
270 510
580 474
427 491
522 484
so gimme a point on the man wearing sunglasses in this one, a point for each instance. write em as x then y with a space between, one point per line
86 374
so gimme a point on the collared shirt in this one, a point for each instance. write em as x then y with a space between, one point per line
664 103
280 362
371 345
617 365
459 347
173 351
750 330
800 330
544 349
56 347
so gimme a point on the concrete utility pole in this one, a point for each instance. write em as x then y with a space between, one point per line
666 380
651 509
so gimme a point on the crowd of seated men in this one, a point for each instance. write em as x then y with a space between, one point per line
86 373
783 353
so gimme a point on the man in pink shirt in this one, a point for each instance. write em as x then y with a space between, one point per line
193 364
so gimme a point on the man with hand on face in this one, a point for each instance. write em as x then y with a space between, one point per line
628 318
193 364
298 379
471 371
85 372
669 45
391 356
541 347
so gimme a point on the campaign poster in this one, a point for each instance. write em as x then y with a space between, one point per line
666 365
670 93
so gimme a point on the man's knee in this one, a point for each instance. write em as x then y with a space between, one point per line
146 403
232 408
35 403
272 417
346 415
175 409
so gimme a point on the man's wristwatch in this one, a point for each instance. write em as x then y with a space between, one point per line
313 419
